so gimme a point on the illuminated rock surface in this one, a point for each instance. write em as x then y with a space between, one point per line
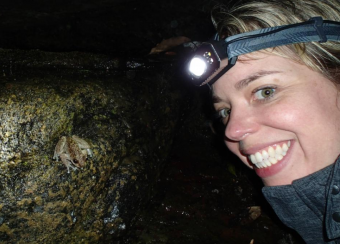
129 124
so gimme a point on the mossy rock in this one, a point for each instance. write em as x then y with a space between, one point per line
128 121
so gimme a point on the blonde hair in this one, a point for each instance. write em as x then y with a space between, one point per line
252 15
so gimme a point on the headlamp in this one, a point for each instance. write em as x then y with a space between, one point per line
205 61
204 67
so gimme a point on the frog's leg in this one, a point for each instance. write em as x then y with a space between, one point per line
67 162
81 142
59 148
89 152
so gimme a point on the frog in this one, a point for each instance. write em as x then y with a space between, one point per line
72 151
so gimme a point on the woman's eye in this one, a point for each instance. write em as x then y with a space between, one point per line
264 93
224 113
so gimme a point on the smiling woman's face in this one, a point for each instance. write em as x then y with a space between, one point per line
283 119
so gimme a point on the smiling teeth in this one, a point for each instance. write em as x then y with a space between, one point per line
271 156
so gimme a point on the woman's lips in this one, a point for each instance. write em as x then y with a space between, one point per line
270 160
270 156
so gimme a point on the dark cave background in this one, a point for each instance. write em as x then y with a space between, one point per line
118 27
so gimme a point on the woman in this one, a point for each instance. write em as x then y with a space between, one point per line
281 108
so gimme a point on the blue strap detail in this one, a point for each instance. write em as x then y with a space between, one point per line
314 30
318 27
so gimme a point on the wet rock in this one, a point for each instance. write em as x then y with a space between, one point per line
129 124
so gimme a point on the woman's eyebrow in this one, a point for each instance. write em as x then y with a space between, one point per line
216 99
244 82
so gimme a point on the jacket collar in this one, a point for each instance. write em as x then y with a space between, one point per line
308 205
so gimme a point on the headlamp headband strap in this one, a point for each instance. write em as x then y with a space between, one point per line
315 29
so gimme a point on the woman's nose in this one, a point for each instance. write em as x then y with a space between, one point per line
241 123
